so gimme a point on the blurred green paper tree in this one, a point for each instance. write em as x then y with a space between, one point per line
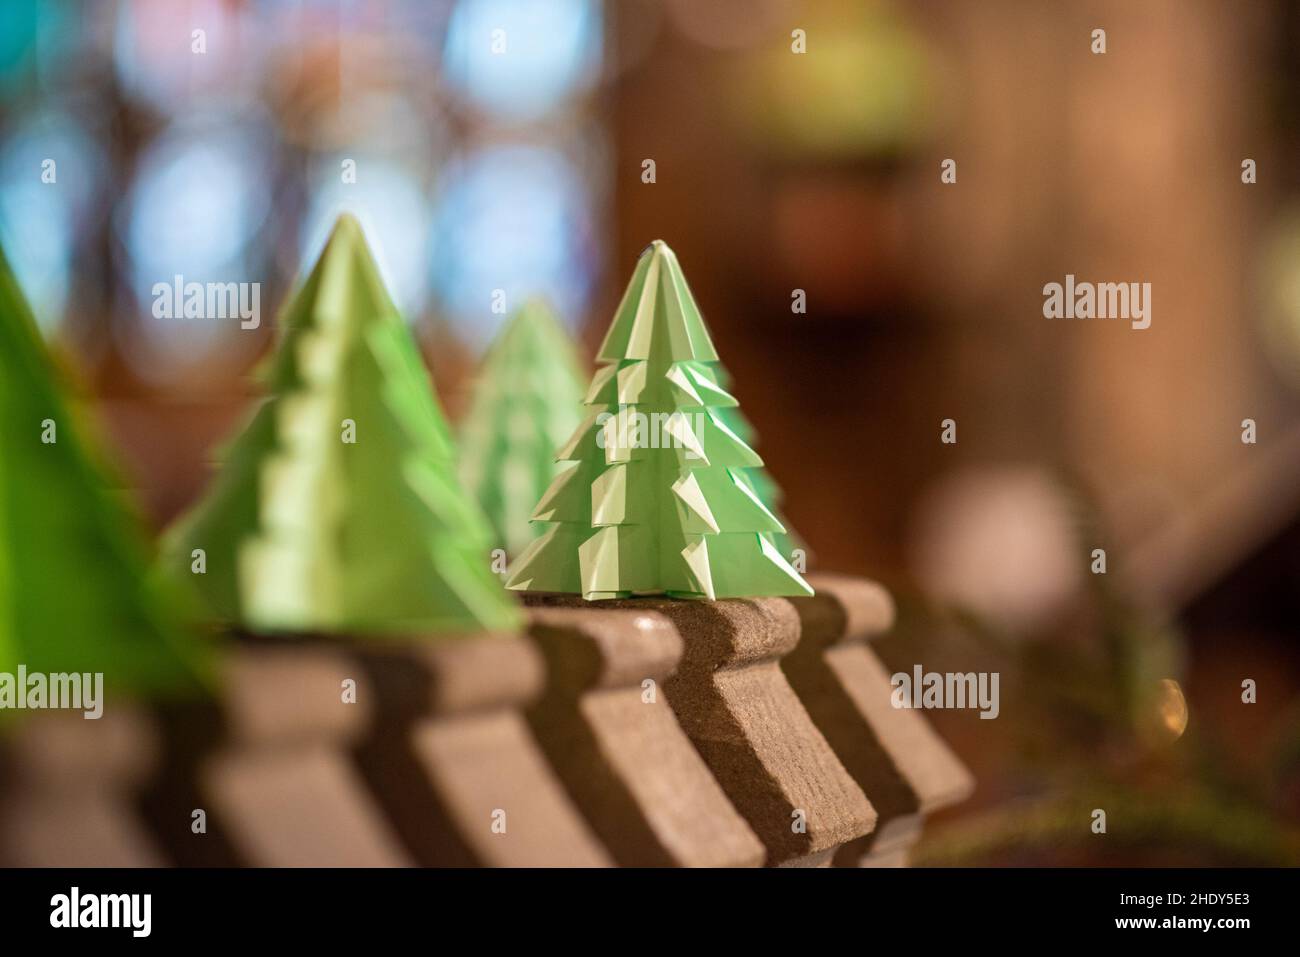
338 508
656 500
527 402
76 590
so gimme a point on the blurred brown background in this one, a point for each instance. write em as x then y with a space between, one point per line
777 171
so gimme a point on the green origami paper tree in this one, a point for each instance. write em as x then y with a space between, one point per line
527 402
76 589
657 497
338 509
760 480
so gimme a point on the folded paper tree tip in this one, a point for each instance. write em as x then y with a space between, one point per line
76 595
337 508
526 403
657 495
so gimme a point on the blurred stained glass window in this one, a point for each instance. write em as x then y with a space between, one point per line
217 140
516 210
51 168
519 60
197 201
393 206
515 218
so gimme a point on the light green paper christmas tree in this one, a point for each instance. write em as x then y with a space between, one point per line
338 509
656 497
76 589
526 404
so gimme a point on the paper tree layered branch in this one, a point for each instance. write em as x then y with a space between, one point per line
76 592
338 509
526 404
656 497
760 480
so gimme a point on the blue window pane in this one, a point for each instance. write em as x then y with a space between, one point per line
522 58
39 220
197 202
514 218
394 212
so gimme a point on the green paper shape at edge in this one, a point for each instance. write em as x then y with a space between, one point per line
77 589
306 533
526 403
680 519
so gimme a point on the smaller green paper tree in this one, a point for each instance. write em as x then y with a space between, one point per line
338 509
77 593
657 496
527 402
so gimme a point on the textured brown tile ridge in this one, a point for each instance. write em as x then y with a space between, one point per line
67 798
270 764
893 754
454 763
733 701
610 733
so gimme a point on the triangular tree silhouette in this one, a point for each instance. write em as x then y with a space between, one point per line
77 590
338 509
656 498
526 403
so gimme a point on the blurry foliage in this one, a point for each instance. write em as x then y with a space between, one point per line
1099 721
1188 825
